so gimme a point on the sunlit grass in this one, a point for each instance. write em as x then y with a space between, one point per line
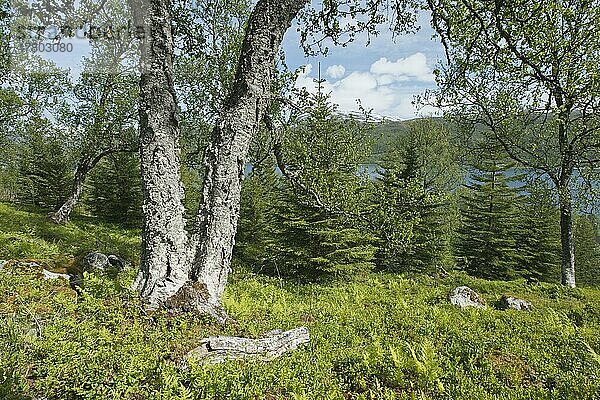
381 336
25 234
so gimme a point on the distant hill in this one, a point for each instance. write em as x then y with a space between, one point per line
387 132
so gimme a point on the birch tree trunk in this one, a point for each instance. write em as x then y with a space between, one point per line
62 215
565 197
88 161
566 238
177 273
164 267
226 155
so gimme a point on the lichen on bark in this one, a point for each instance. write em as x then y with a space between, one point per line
182 272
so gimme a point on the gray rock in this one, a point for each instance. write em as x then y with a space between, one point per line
507 302
3 263
95 261
76 282
117 262
52 275
464 297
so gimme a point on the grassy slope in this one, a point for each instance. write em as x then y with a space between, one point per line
384 336
27 234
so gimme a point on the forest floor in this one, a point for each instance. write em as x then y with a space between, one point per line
379 336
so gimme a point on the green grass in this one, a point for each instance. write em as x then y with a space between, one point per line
26 234
380 337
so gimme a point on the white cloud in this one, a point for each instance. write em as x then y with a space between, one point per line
304 79
414 66
306 70
387 88
336 71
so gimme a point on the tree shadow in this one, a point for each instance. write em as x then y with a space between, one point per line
295 276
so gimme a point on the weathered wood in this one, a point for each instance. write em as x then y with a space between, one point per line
218 349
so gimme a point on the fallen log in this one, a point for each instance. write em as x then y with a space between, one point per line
218 349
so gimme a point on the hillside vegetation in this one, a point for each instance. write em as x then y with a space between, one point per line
378 336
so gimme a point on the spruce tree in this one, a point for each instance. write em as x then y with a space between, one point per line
411 199
9 159
44 166
114 189
312 242
398 202
318 224
487 235
538 237
257 233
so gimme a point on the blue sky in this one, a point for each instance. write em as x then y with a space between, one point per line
385 76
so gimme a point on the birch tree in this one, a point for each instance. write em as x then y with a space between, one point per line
102 123
184 272
103 112
101 119
529 73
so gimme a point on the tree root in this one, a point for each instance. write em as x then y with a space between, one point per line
194 297
55 218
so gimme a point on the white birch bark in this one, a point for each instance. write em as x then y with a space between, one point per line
164 266
177 273
217 218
